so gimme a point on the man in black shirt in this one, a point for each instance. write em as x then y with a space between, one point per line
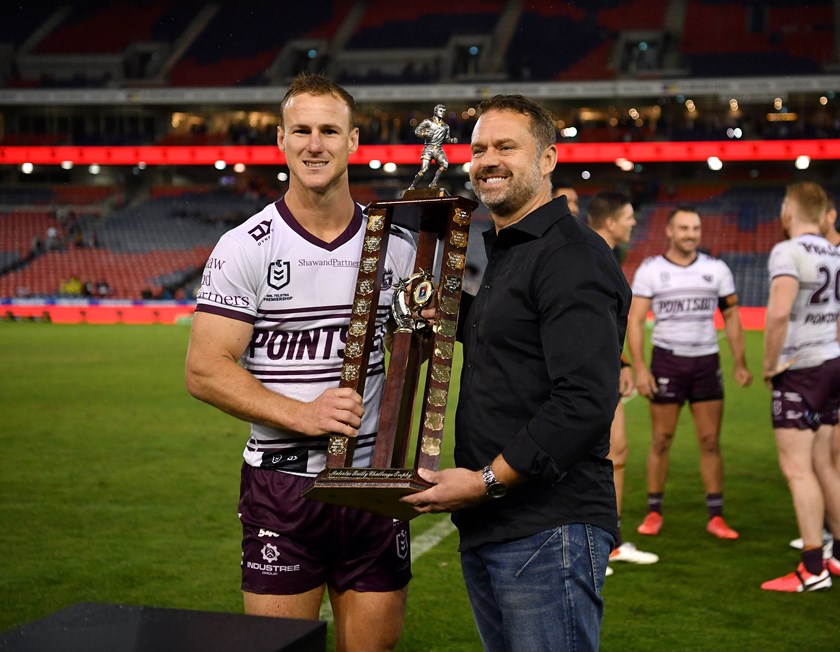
532 494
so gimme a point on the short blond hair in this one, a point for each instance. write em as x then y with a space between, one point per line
306 83
810 199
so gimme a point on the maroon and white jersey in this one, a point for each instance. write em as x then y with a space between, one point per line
812 330
298 291
683 301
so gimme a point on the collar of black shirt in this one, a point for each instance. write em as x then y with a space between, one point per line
533 225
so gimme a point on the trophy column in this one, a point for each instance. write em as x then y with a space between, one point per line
362 325
439 371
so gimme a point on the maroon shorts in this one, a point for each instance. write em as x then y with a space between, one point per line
291 545
805 399
680 378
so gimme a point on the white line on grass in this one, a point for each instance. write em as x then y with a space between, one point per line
419 546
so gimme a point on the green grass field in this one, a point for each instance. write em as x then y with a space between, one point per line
117 486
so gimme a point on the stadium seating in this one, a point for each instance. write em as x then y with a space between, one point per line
395 25
770 38
129 275
585 36
216 59
18 234
237 45
102 28
151 247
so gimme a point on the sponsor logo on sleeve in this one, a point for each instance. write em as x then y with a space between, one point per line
260 232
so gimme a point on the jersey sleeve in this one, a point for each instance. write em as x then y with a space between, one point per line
642 285
229 284
727 281
782 261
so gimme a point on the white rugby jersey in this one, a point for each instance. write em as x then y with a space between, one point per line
298 291
812 329
684 300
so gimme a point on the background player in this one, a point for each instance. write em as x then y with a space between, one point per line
561 188
830 229
684 287
610 214
802 365
832 234
266 346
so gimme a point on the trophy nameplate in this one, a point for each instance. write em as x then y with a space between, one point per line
443 224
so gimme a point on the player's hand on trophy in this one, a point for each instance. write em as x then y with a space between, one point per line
337 410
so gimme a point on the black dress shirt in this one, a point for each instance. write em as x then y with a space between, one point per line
542 344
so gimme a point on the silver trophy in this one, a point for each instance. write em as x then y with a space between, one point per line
434 132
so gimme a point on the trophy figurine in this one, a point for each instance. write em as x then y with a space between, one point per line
434 132
442 223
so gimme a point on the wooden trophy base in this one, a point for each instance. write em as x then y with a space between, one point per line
373 490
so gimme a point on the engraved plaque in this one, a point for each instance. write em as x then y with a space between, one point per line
437 396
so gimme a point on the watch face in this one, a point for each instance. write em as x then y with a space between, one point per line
496 490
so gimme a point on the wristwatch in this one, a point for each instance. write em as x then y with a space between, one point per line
495 489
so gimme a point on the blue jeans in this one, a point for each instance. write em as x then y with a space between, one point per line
541 592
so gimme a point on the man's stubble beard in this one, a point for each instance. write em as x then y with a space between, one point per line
520 191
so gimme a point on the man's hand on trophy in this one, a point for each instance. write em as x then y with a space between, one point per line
338 410
429 313
453 489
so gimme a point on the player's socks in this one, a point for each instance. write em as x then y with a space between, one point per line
714 505
812 559
654 502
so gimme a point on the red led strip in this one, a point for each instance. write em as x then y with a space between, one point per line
774 150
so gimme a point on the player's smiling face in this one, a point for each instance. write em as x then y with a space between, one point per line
317 138
684 232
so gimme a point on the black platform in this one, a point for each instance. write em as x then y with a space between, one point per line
93 627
